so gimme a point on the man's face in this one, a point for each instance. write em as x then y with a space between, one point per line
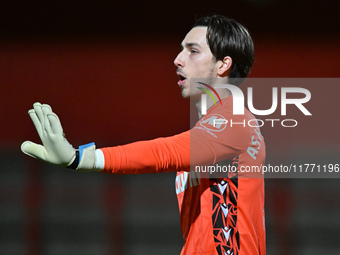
195 61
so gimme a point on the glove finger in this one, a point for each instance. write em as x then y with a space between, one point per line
36 122
40 115
55 124
34 150
46 109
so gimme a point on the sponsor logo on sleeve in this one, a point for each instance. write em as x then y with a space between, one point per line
214 122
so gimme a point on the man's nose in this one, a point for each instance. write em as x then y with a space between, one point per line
179 61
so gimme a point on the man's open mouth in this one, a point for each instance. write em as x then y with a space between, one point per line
181 79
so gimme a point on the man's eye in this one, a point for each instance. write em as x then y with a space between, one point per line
194 51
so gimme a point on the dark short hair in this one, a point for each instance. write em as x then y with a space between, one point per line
227 37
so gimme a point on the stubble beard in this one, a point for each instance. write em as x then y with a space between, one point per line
190 91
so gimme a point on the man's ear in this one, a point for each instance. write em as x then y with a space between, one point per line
224 67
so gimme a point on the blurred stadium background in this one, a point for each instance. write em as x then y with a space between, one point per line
106 68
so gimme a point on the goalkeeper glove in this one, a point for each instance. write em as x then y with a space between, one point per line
55 149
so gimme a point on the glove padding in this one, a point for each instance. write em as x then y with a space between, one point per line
55 149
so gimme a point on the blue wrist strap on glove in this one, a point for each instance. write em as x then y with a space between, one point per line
81 148
79 154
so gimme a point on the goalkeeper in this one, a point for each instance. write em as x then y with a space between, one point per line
222 215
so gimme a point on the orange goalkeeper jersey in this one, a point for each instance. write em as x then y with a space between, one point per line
219 187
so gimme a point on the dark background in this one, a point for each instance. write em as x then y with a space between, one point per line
106 68
173 18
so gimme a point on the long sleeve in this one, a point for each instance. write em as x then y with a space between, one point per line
205 144
153 156
175 153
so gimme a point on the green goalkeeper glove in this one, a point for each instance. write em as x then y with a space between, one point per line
56 149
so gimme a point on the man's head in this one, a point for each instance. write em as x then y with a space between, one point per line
227 37
215 47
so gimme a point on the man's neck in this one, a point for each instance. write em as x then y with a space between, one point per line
223 93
